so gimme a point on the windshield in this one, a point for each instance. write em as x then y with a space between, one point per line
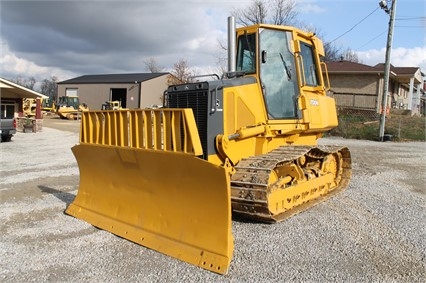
69 101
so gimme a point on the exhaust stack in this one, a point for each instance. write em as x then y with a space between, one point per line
231 44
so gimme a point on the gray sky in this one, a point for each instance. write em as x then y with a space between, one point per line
72 38
86 37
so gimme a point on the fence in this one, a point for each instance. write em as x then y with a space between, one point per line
356 101
365 124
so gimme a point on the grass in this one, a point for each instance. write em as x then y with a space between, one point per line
402 128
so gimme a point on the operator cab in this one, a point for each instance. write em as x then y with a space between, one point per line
282 61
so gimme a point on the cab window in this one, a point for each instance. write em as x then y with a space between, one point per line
309 68
246 53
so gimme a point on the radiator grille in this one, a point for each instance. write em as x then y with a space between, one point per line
197 100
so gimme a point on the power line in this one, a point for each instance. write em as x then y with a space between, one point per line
354 25
410 18
374 38
409 27
380 34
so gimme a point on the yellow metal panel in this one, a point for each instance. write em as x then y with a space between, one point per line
247 112
157 130
168 133
322 114
176 134
244 106
171 202
192 131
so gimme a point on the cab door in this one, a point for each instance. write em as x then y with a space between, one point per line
278 74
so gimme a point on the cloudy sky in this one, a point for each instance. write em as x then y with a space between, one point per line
72 38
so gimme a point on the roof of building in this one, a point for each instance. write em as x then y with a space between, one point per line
399 70
113 78
405 70
404 74
9 89
352 67
347 66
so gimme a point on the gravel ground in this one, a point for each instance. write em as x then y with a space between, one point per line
373 232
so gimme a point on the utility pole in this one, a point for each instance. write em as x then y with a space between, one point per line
384 6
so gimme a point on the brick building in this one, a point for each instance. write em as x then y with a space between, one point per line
360 86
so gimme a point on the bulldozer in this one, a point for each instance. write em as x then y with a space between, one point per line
112 105
69 107
29 106
243 146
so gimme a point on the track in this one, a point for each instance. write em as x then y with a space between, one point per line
274 186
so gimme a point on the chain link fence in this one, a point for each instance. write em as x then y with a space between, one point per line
365 124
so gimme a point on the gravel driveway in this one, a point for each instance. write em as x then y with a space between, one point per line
373 232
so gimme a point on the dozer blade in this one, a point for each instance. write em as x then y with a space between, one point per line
171 202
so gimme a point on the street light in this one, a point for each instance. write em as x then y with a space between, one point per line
383 4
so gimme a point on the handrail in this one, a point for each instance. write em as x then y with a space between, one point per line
327 87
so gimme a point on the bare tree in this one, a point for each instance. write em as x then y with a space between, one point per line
27 83
152 65
221 57
277 12
335 53
350 55
49 87
332 51
181 73
253 14
283 12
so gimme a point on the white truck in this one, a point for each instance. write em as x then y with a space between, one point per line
7 121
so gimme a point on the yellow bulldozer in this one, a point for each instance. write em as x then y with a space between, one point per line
112 105
171 179
29 106
69 107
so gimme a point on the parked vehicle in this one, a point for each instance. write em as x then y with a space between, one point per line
29 106
112 105
7 121
69 107
170 178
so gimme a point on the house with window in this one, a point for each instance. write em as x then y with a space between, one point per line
12 96
135 90
360 86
